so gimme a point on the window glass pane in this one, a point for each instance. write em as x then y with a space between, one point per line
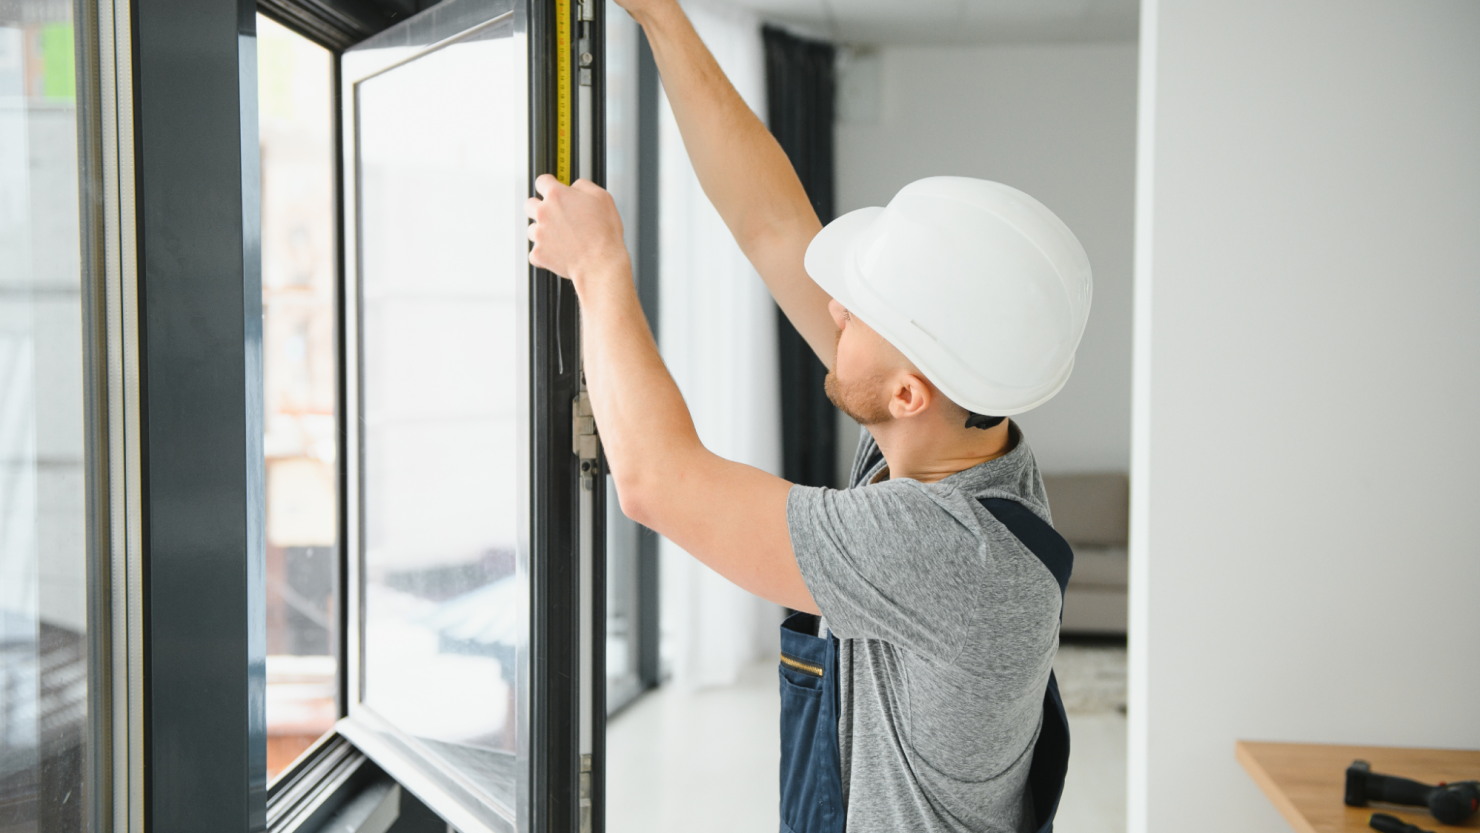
622 535
295 111
43 618
622 604
444 367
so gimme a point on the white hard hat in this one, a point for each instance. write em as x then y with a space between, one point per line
977 283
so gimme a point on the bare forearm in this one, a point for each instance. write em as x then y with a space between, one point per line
728 515
743 171
644 422
666 479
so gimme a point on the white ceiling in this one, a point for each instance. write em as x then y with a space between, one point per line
956 21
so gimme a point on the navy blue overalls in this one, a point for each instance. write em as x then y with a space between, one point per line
811 766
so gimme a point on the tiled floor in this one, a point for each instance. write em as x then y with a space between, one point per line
707 760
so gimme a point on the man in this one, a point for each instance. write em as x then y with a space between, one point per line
918 701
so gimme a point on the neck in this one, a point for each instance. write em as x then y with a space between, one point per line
932 455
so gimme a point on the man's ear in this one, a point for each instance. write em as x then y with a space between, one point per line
910 396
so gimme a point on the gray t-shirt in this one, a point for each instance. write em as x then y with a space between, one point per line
948 628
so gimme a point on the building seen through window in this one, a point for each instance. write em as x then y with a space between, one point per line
296 118
44 675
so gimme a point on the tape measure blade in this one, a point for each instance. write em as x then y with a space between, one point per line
564 126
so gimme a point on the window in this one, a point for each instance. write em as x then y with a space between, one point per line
464 513
44 670
427 466
441 175
442 373
295 84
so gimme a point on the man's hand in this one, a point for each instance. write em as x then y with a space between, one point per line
639 8
577 231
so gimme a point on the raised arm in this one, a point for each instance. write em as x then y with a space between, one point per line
730 516
742 169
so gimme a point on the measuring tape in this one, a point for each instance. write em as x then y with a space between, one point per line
562 91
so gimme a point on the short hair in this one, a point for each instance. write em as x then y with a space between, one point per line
973 419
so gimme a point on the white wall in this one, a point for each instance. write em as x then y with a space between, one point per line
1306 542
1057 121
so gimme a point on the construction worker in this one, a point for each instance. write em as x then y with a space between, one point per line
917 688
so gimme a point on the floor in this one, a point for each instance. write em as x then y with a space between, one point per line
707 759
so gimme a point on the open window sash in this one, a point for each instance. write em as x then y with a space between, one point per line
474 534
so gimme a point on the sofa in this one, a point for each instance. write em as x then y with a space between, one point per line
1092 511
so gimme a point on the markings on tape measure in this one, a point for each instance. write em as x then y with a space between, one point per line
562 91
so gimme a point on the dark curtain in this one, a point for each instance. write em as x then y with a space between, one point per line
799 92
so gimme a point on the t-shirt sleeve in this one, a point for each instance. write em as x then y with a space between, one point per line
889 561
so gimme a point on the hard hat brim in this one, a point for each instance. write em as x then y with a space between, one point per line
829 256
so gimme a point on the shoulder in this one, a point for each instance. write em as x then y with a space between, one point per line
889 508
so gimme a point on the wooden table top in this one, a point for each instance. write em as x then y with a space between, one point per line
1306 781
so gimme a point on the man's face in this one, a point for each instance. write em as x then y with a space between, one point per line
858 384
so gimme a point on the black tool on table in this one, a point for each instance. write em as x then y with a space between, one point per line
1449 803
1393 824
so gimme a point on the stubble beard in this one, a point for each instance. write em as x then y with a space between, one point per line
860 400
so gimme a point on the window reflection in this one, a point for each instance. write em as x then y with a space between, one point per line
43 614
441 179
295 112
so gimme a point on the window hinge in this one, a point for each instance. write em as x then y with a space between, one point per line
585 796
583 46
586 443
584 74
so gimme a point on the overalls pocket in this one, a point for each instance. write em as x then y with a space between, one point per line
811 775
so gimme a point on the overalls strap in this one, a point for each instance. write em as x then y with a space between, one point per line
1051 753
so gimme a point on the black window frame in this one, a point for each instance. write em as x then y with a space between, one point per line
197 209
